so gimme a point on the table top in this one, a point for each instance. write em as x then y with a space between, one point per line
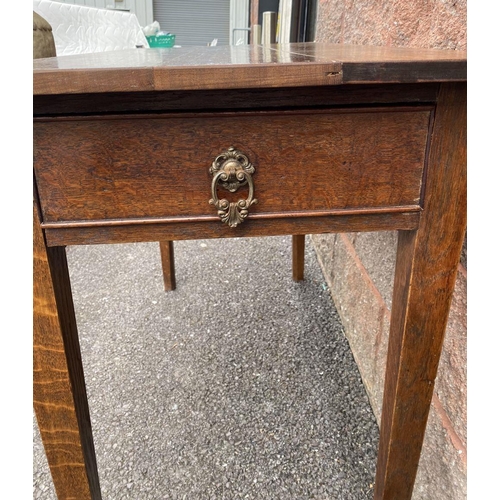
244 66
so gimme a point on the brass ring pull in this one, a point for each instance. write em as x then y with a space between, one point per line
232 170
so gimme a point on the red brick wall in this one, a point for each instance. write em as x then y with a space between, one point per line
359 267
415 23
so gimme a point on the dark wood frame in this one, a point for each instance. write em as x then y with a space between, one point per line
430 239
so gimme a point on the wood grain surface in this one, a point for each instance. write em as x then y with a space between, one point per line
379 64
246 66
168 264
59 395
298 256
342 138
168 261
235 99
149 230
158 165
426 268
186 68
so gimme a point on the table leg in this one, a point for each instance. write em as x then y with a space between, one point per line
426 267
59 394
168 264
298 251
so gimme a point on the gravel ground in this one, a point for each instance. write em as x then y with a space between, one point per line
239 384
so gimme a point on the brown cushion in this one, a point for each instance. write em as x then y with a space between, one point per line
43 39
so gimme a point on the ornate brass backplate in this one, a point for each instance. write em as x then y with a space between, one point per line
232 170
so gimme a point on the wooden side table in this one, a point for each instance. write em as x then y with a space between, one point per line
215 142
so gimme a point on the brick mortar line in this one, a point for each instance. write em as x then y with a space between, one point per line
364 273
436 402
462 270
449 428
365 276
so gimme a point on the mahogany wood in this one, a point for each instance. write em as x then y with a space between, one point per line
168 264
426 268
342 138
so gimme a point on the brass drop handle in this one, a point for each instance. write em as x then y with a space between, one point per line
232 170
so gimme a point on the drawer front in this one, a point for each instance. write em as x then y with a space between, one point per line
101 168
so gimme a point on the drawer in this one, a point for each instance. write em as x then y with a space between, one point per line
157 166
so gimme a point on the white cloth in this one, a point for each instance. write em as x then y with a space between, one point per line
81 30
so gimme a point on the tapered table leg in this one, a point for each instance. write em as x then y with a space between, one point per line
298 251
426 266
168 264
59 394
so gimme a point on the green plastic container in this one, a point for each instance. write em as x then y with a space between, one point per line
161 41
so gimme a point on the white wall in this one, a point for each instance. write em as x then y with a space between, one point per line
143 9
